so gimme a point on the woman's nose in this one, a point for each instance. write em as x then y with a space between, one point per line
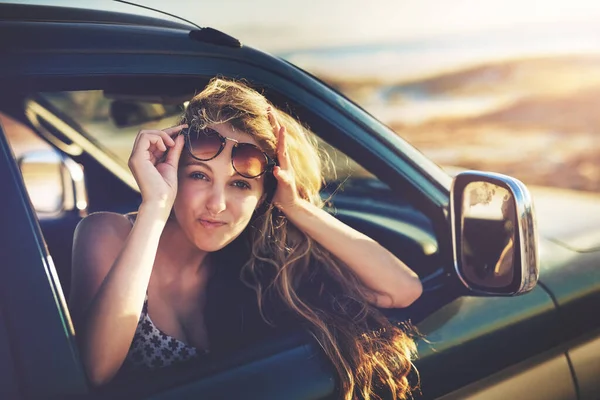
216 202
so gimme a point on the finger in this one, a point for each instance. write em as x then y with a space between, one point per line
167 139
284 178
174 129
157 142
282 153
137 139
143 139
280 175
150 134
273 120
175 152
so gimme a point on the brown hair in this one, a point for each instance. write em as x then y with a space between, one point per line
372 356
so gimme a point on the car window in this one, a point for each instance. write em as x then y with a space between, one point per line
114 122
352 193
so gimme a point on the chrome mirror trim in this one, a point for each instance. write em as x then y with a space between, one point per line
527 231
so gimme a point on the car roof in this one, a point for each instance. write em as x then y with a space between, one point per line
97 11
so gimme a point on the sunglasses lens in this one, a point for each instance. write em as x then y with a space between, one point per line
249 161
205 144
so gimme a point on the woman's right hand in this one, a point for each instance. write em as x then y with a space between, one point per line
155 173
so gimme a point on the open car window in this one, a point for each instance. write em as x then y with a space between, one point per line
355 195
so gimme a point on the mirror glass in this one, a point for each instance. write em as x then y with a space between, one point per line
42 175
488 235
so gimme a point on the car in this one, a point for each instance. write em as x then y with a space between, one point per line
506 311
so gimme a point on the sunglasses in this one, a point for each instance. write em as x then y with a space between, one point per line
247 159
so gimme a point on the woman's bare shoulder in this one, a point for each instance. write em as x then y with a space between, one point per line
105 222
98 239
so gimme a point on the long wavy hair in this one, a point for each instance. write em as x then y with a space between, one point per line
372 356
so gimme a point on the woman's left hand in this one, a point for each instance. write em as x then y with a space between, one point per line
286 196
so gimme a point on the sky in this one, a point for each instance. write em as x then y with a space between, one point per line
277 25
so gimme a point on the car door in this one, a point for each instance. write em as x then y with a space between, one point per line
36 334
406 206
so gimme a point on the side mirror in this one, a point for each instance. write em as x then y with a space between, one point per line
55 183
494 234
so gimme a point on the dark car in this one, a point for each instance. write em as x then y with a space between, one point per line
76 84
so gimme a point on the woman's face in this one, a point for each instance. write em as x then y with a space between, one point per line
214 204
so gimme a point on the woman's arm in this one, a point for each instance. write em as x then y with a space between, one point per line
394 284
112 262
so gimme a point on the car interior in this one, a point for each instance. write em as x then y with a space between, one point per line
71 139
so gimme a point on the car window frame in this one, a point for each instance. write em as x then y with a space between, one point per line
63 53
197 379
395 194
388 152
382 160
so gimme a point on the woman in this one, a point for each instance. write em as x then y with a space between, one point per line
213 200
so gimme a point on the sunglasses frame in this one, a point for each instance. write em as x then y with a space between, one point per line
188 141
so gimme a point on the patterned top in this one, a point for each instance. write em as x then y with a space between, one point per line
152 348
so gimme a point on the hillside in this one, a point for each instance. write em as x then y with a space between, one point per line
536 119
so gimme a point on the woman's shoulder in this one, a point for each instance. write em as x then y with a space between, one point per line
105 223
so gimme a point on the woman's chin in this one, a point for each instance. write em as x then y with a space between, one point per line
210 248
212 244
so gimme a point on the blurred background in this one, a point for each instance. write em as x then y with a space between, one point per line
510 86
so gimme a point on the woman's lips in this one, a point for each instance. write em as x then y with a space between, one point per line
211 224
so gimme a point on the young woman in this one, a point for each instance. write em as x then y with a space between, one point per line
230 205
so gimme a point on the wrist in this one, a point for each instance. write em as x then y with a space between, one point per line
294 209
160 210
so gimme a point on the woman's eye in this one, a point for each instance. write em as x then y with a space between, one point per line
198 175
241 184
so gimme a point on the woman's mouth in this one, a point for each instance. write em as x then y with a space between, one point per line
211 224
